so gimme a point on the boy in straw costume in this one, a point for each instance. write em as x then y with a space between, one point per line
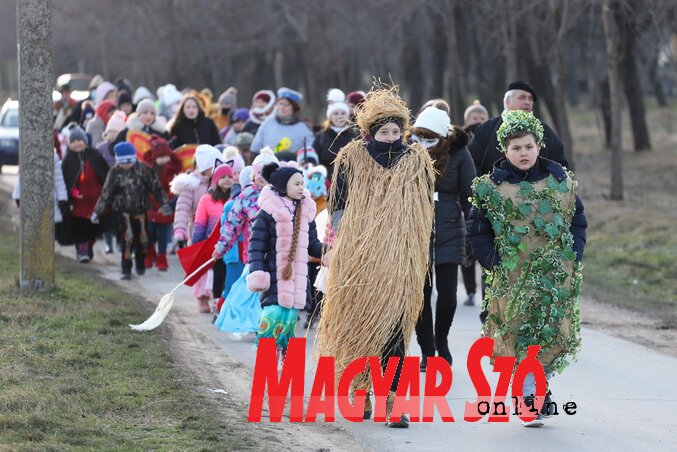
528 230
381 206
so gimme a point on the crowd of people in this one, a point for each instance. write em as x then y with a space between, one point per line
352 221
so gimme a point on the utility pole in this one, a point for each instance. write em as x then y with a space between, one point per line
34 37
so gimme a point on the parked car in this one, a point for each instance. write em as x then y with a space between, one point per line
9 133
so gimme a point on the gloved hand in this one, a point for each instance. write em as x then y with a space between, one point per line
180 235
75 193
165 210
94 218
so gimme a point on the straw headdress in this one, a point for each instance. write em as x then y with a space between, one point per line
381 102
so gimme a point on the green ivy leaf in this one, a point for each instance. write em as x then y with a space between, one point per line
552 183
539 223
482 189
569 254
557 220
562 187
525 189
551 230
521 246
524 209
544 206
521 229
511 262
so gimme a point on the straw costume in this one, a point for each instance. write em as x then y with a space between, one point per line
381 204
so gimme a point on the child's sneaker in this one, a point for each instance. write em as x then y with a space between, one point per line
470 301
535 423
126 276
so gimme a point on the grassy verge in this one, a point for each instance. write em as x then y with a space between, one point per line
73 375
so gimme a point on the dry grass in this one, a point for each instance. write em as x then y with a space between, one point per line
631 255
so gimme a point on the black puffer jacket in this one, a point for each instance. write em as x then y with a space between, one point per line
485 151
328 143
452 191
200 130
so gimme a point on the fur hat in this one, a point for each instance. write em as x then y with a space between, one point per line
335 95
170 95
146 105
232 158
140 94
124 152
435 120
476 107
315 180
206 157
524 86
307 155
228 97
220 172
116 122
278 176
335 106
77 134
292 96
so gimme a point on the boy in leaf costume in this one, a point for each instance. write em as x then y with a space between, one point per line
527 229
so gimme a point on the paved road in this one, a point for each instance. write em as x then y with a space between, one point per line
625 393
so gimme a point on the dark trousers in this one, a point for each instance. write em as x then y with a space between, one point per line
316 296
394 347
157 233
219 282
469 280
136 248
429 339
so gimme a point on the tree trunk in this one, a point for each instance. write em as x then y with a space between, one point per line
413 78
655 81
456 85
36 145
632 85
613 43
439 54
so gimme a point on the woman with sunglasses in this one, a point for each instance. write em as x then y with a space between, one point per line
454 174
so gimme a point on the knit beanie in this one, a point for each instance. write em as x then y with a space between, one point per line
220 172
116 122
476 107
140 94
435 120
228 97
77 134
124 98
124 152
244 141
355 97
278 176
206 157
266 155
102 91
335 107
146 105
373 128
335 95
241 114
232 158
246 176
307 155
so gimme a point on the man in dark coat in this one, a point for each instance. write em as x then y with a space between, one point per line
484 146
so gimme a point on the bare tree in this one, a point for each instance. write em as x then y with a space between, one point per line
613 44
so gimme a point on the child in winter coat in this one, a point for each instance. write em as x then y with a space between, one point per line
241 308
284 235
166 166
190 187
207 216
233 158
84 172
528 230
127 190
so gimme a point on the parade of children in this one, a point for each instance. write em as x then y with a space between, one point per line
365 222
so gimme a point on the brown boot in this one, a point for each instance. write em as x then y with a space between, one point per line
390 403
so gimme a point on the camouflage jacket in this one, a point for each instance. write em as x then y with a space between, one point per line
128 191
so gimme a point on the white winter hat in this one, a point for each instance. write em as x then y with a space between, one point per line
140 94
206 157
337 106
171 95
335 95
435 120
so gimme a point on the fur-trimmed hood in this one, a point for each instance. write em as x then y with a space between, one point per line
134 123
272 203
187 181
458 138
